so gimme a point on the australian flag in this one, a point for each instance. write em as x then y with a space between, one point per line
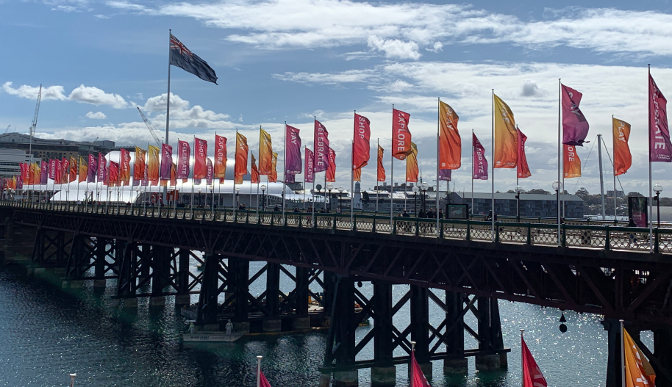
180 56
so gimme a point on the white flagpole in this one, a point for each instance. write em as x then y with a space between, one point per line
259 371
650 186
613 162
560 181
492 168
473 149
438 150
377 182
352 174
622 353
170 34
392 176
284 174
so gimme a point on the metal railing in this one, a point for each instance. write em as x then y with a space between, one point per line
603 236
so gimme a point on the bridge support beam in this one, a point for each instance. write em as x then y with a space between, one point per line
384 372
458 364
161 257
206 316
490 334
100 262
614 339
272 323
183 297
341 340
301 319
420 328
662 344
239 271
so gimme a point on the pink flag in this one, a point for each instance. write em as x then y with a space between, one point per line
102 168
574 124
263 382
209 171
532 376
660 148
309 175
523 169
321 145
480 167
418 378
44 171
445 174
183 154
200 153
361 148
292 151
166 161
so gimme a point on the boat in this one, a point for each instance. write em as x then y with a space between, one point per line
210 337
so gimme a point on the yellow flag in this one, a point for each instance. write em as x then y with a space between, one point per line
265 153
412 164
638 370
506 136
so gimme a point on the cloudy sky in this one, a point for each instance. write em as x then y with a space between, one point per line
290 60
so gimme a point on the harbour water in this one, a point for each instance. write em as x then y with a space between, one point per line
45 334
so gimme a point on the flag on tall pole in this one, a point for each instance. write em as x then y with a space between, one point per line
572 162
139 165
74 169
532 376
622 156
380 171
292 151
273 177
183 156
166 161
523 169
309 174
153 165
83 169
44 172
209 171
506 136
361 147
255 172
321 147
401 136
182 57
450 143
265 153
241 158
574 124
412 169
102 167
660 149
125 167
331 171
220 157
480 165
93 169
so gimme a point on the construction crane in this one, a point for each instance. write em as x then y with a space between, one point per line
34 125
7 128
150 128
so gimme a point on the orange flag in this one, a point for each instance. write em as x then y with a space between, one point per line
638 370
220 157
357 173
125 167
36 173
273 177
523 169
83 169
74 169
331 170
139 164
241 158
381 168
153 165
255 171
173 175
622 156
265 153
450 143
506 136
412 164
572 164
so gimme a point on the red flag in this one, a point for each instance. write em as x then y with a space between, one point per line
532 376
622 156
263 382
241 158
418 378
450 143
309 175
331 171
200 152
113 173
65 172
361 147
660 148
255 171
220 157
183 154
523 169
73 169
381 169
321 146
401 136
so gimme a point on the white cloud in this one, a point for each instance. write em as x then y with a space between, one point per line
96 115
350 76
326 23
436 47
158 103
96 96
30 92
394 48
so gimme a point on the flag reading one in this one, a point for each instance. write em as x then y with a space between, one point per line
532 376
181 57
220 157
153 165
572 162
209 171
450 143
241 158
255 172
321 146
83 169
480 167
273 177
660 148
309 174
506 136
380 172
200 154
523 169
622 156
93 169
166 161
183 155
292 151
331 171
401 136
412 164
265 153
361 148
139 165
125 167
445 174
638 370
574 124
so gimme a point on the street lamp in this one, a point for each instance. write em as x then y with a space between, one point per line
657 189
263 197
340 193
423 187
415 190
236 198
519 189
329 188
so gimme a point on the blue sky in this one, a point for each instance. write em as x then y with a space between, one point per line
289 60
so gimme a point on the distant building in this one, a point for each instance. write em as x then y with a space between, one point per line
531 205
46 149
10 159
619 194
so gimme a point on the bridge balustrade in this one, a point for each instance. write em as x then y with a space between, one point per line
574 234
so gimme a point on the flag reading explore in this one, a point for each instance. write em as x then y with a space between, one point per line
401 136
572 162
182 57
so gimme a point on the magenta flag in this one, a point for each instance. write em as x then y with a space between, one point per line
574 124
290 178
93 169
480 167
445 174
52 169
418 378
183 154
102 168
292 151
309 175
209 171
660 148
321 145
44 172
263 382
166 161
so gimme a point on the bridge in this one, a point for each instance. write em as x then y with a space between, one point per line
461 266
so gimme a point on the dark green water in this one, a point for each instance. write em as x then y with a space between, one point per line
45 334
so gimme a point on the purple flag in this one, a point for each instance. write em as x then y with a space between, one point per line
166 161
183 154
480 167
92 170
321 146
290 178
292 151
44 172
574 124
660 148
102 168
445 174
209 171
